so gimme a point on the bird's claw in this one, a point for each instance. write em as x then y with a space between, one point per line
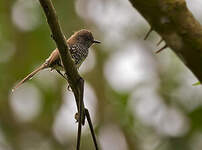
69 88
76 116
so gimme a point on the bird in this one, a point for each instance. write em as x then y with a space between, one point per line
78 45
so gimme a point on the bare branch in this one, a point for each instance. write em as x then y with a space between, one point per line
75 81
177 26
60 41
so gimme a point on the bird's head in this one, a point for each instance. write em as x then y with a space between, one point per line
83 37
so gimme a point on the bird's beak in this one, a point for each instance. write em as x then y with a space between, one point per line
95 41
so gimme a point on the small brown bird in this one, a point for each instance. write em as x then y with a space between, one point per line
78 45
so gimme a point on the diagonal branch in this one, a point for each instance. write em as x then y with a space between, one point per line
178 28
60 41
75 81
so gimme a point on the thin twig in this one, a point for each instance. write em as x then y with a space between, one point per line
164 47
160 41
91 128
79 130
81 116
148 33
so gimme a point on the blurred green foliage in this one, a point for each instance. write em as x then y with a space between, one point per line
25 49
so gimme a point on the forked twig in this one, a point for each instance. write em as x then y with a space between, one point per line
75 81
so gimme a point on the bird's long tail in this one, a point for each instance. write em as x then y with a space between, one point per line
29 76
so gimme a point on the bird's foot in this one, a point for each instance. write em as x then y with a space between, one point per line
69 88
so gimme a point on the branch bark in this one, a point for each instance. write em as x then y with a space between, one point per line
178 28
58 36
74 79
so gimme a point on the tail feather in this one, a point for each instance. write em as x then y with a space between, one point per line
29 76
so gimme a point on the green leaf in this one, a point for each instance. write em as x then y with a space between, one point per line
197 83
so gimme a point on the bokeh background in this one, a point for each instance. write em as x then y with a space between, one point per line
138 100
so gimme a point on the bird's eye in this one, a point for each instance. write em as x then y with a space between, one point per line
87 38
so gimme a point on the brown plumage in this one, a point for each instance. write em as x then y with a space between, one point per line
78 45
